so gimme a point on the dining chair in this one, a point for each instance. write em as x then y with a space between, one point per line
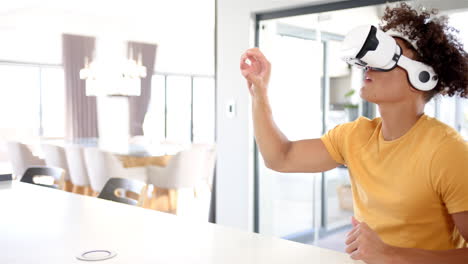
77 169
184 171
209 163
6 177
32 173
55 157
21 158
102 166
127 191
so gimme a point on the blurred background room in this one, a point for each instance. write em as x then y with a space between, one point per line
150 91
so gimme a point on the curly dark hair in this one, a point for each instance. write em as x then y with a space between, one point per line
438 46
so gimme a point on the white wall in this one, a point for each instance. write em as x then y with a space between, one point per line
183 29
235 34
30 46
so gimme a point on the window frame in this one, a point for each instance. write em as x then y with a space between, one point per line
39 67
166 76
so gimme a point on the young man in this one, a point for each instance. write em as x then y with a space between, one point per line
409 172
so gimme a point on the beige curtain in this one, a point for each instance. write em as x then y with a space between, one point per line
81 112
138 105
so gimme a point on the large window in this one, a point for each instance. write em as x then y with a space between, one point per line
179 109
182 109
32 101
458 21
19 100
447 112
464 119
203 110
287 201
52 102
430 108
155 120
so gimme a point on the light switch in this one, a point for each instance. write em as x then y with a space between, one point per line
231 109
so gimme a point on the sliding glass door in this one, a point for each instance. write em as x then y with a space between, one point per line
287 200
312 90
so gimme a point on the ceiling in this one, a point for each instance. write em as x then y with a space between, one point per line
144 20
341 21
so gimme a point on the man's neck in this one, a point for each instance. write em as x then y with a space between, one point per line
397 119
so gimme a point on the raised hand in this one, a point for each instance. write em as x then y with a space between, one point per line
256 69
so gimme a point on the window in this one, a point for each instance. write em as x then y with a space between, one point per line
447 113
32 101
155 121
175 115
464 118
458 20
203 110
430 108
296 101
53 102
19 101
179 109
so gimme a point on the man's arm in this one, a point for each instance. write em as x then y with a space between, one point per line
455 256
364 244
415 256
279 153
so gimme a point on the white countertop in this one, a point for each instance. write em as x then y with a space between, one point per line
41 225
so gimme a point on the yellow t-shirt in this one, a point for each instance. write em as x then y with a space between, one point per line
407 188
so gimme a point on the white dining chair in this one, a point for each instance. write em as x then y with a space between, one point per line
209 163
77 169
55 157
184 171
102 166
21 158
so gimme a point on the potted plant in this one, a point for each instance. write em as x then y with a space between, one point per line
351 109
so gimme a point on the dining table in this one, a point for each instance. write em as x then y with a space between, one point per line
130 154
44 225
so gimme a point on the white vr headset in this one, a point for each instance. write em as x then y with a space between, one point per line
368 47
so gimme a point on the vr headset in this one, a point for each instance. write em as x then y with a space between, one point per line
368 47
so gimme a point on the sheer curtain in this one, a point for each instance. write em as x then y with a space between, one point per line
81 112
138 105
